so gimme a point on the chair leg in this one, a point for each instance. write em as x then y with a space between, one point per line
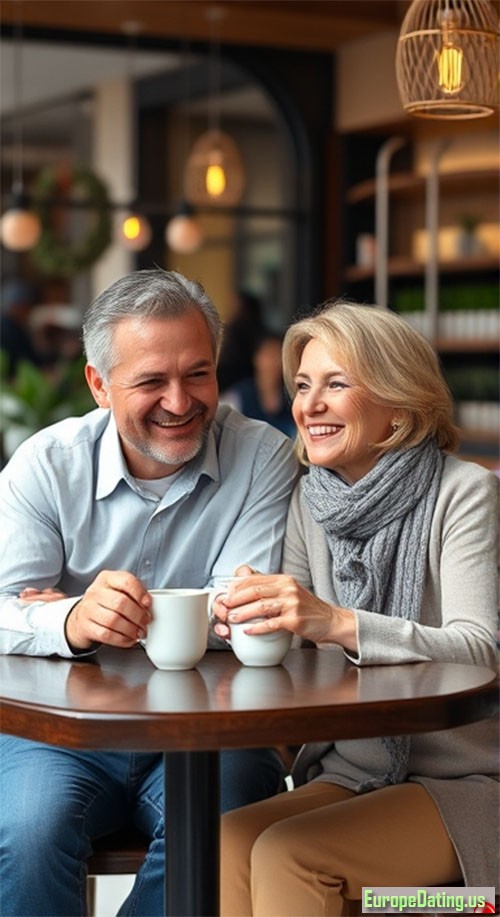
91 895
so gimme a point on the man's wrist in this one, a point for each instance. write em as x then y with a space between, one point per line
77 650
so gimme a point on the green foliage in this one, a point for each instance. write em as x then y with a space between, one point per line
33 399
474 382
452 298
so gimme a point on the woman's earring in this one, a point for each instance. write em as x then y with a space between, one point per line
394 426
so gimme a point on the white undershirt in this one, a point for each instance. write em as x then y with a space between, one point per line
157 487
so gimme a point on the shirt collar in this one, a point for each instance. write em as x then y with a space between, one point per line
112 467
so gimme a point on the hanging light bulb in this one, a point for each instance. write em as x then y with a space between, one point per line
135 232
450 58
447 59
183 233
215 178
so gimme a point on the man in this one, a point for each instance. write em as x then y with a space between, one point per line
159 486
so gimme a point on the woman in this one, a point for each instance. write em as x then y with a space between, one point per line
390 554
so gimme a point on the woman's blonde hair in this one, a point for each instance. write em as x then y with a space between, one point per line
388 359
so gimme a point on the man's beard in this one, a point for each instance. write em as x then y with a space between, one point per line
172 456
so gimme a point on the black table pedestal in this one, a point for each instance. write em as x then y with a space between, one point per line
192 813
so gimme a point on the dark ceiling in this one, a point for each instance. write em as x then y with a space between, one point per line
301 24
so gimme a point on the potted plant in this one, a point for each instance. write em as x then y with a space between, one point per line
468 241
34 399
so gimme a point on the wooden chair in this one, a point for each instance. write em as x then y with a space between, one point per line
121 853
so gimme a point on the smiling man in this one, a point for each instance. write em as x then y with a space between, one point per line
157 487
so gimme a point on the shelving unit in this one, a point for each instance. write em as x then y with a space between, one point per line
412 202
407 267
407 183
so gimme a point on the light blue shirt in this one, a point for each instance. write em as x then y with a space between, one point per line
69 508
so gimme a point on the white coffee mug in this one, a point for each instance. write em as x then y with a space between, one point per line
259 649
177 635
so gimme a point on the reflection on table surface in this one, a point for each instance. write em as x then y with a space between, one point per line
117 680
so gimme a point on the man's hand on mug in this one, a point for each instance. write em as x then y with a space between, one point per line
115 610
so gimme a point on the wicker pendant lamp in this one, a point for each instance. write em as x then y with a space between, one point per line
214 171
447 59
214 175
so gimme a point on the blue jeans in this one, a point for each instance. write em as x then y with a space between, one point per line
53 801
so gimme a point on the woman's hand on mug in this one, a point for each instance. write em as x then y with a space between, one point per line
30 594
218 611
286 605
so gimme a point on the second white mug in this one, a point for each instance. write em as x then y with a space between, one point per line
259 649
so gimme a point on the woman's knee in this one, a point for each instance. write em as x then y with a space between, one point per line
273 848
237 836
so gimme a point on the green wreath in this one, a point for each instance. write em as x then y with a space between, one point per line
61 258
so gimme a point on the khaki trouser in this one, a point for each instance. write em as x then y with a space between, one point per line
310 851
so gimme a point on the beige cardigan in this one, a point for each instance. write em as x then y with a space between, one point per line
458 621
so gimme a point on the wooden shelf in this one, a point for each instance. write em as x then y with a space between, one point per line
466 345
478 436
407 184
407 267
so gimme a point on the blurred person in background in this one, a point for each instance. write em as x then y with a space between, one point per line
262 396
57 331
17 303
241 336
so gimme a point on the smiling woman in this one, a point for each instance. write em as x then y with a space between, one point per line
379 356
390 553
340 424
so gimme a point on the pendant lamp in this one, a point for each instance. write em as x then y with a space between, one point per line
214 173
183 232
20 226
134 231
447 59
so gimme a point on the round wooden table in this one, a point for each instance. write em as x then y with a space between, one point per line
118 700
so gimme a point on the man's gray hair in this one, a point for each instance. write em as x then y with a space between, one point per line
144 295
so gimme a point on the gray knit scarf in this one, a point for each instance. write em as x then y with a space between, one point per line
377 532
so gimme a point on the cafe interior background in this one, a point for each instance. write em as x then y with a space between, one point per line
327 185
330 187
